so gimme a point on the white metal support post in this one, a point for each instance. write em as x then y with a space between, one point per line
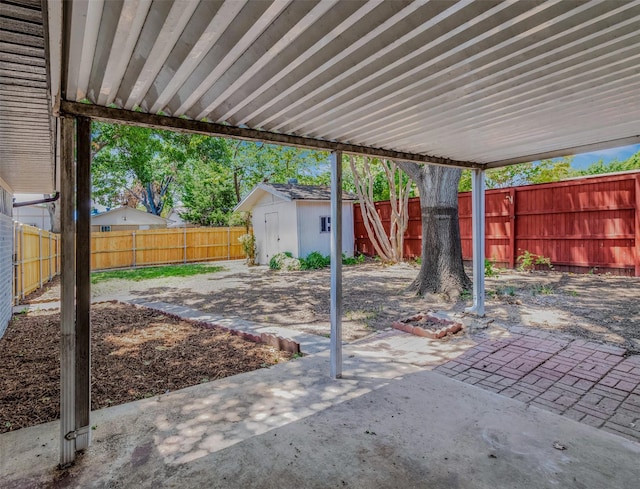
477 200
83 284
336 264
67 294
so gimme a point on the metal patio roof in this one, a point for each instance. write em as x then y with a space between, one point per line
471 81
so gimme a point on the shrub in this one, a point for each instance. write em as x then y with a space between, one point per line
284 261
314 261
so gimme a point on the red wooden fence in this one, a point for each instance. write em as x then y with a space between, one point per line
590 223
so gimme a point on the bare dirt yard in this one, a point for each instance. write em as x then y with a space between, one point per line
150 353
598 307
136 353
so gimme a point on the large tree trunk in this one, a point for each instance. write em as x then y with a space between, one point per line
442 270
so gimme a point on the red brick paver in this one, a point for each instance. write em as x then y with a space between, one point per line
589 382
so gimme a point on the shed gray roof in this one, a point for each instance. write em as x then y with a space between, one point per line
306 192
289 192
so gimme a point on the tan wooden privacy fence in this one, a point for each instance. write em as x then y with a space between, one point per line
123 249
36 258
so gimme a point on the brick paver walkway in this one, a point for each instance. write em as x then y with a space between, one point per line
590 382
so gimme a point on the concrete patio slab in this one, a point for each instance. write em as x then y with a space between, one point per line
385 425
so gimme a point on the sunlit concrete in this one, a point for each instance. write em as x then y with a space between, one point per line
387 423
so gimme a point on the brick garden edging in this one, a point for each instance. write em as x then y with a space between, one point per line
447 326
282 344
272 340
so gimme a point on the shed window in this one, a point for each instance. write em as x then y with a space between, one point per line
104 229
325 224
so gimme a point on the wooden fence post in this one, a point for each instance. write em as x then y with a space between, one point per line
228 243
637 225
16 269
21 261
50 256
184 242
512 228
40 272
133 246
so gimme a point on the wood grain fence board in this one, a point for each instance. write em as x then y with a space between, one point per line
37 259
581 224
123 249
37 263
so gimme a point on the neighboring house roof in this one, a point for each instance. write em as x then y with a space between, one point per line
289 192
126 215
174 219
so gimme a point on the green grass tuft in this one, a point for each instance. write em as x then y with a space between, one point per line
138 274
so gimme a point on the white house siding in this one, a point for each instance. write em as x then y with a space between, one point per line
287 239
127 219
311 239
6 258
33 215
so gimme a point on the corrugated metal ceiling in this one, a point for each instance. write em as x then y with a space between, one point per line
26 136
481 81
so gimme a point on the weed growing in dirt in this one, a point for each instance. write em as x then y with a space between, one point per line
352 260
527 261
366 316
540 289
465 295
138 274
506 290
490 269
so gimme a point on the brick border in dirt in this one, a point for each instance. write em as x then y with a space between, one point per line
448 326
272 340
282 344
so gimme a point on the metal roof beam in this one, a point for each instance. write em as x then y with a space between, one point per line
213 129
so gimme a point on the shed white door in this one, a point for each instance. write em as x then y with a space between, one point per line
271 232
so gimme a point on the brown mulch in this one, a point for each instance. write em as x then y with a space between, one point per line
49 292
136 353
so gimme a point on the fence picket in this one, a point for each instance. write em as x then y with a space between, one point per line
580 224
120 249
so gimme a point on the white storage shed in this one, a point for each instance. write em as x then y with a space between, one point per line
296 218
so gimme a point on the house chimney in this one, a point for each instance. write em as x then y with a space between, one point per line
292 181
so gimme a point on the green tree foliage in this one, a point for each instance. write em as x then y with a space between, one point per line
600 167
523 174
205 185
131 165
208 176
547 171
253 163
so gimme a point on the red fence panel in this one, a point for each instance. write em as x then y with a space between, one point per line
583 224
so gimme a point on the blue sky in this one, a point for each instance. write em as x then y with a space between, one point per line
622 153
